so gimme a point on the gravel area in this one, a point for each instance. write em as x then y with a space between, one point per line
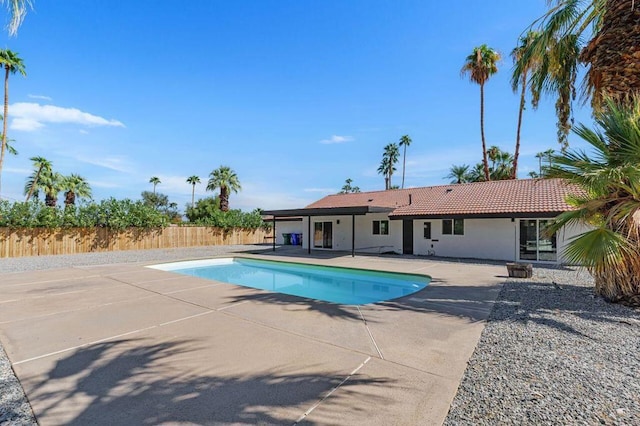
553 353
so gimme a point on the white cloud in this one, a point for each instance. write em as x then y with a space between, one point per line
321 190
336 139
29 116
17 171
116 162
40 97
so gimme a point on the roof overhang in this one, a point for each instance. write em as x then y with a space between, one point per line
328 211
515 215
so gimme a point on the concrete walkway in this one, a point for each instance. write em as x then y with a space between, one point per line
124 344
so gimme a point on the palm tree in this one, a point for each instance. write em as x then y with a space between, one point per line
193 180
11 63
520 79
405 141
75 186
18 10
610 30
45 179
609 203
540 156
155 180
387 165
458 174
347 188
480 65
41 165
226 179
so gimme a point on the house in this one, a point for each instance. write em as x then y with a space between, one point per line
498 220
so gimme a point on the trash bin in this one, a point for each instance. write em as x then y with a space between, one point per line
287 239
294 239
299 239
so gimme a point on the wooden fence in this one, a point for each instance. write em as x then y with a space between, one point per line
40 241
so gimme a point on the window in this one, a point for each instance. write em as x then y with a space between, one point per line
453 227
380 227
427 230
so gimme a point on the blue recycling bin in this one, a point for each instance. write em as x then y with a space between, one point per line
294 239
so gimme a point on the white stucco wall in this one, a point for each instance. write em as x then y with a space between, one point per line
564 237
491 239
482 239
365 241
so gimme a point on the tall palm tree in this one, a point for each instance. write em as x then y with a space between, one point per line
520 79
226 179
387 165
18 10
11 63
458 174
600 34
540 156
155 180
41 165
193 180
609 203
480 65
74 186
405 141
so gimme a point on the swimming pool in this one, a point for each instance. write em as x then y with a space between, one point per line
330 284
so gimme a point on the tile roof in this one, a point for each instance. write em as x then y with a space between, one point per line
474 199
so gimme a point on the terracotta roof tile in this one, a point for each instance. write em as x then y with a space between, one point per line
480 198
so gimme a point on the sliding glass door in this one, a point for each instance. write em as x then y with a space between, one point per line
323 235
534 244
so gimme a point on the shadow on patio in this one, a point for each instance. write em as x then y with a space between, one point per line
129 382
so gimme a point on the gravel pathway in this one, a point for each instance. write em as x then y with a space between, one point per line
553 353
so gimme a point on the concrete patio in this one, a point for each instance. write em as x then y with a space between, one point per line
121 343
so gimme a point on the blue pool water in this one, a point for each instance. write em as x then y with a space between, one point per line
337 285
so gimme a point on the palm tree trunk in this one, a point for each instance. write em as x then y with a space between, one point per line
35 184
70 198
4 121
514 171
485 163
193 194
224 199
50 201
404 160
614 52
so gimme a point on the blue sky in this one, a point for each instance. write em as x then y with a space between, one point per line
295 96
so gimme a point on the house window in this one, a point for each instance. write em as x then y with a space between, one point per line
535 243
380 227
453 227
427 230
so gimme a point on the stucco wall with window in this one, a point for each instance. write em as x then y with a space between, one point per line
482 239
365 241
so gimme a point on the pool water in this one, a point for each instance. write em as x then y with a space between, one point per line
330 284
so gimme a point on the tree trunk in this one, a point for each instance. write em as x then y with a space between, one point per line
613 55
514 172
4 121
404 161
193 194
485 163
224 199
50 200
35 184
70 198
